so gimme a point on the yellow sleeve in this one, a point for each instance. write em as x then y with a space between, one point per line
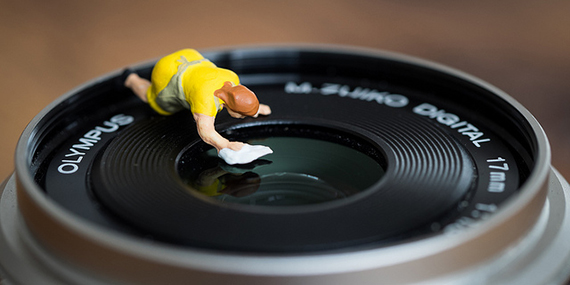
200 93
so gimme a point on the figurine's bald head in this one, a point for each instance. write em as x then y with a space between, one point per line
238 98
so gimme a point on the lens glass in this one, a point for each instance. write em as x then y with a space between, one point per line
301 171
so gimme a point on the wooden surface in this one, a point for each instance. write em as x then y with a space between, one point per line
49 47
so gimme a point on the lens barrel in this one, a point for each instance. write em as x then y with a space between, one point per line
386 168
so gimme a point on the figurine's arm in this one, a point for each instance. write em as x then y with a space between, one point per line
208 133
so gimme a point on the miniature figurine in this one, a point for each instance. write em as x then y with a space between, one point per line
186 80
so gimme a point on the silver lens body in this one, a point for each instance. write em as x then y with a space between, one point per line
524 241
539 256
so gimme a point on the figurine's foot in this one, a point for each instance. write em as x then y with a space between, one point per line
120 81
246 154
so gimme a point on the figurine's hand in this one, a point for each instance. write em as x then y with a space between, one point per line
264 110
235 145
246 154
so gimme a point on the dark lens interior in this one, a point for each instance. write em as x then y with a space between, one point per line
301 171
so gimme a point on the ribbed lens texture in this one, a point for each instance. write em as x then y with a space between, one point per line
427 174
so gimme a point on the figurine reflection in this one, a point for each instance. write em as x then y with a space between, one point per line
217 181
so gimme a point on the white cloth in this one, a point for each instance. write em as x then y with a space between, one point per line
246 154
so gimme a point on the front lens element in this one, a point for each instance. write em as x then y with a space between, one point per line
301 171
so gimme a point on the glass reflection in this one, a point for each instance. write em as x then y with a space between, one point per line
301 171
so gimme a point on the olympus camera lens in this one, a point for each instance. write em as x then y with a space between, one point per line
386 169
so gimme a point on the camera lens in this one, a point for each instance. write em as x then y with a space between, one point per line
384 167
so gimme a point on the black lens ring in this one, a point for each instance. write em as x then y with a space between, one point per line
151 197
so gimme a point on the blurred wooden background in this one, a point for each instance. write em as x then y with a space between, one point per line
49 47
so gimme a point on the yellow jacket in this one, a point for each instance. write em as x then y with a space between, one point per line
186 80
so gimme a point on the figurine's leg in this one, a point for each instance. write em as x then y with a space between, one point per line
138 85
